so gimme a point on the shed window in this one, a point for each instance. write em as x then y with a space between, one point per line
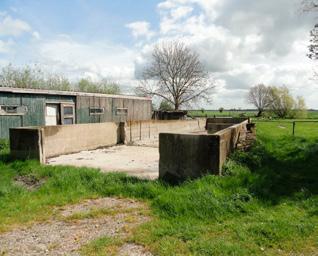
121 111
68 110
68 114
96 111
68 121
13 110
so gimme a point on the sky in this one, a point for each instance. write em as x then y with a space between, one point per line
240 42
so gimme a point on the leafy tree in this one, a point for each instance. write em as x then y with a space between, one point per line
32 78
300 108
176 75
259 96
102 86
282 102
165 106
221 109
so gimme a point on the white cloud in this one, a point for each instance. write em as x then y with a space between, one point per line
13 27
6 46
76 59
36 35
181 12
242 43
140 29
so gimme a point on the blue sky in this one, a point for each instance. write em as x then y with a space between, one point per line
241 42
84 20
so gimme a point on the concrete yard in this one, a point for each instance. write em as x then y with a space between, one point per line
140 161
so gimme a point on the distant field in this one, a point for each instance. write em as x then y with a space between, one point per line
313 114
279 128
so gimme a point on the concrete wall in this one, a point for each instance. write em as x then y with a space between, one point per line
66 139
44 142
49 141
228 139
188 156
143 130
26 143
224 120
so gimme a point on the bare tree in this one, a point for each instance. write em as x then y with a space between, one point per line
176 75
259 96
312 6
309 5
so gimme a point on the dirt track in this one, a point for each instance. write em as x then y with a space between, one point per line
74 227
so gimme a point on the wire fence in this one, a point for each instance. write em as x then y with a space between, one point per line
304 121
292 124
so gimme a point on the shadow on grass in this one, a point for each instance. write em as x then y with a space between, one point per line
283 167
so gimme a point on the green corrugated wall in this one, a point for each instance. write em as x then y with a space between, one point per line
35 115
137 109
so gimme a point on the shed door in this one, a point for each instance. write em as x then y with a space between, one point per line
52 114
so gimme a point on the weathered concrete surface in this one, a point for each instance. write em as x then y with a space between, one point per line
184 156
66 139
189 156
136 161
43 142
213 128
228 139
140 132
26 144
224 120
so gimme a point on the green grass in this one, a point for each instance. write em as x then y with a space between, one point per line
225 113
267 204
312 114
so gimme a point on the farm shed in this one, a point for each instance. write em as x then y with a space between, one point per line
33 107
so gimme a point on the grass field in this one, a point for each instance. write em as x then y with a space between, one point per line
266 204
312 114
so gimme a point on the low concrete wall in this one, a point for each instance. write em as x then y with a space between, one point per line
228 139
188 156
44 142
225 120
26 143
66 139
143 130
50 141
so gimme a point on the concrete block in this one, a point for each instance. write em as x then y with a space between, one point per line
26 143
187 156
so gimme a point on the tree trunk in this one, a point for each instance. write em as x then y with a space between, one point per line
176 105
260 111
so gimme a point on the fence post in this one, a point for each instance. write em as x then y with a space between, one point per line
294 124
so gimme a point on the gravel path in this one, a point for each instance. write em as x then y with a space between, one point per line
63 236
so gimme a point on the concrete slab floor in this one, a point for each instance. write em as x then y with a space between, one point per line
137 161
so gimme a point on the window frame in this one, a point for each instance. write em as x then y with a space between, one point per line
125 110
63 116
21 113
96 114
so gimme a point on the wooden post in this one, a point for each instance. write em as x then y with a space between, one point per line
130 131
294 124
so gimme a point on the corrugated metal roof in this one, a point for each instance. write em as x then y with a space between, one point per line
68 93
